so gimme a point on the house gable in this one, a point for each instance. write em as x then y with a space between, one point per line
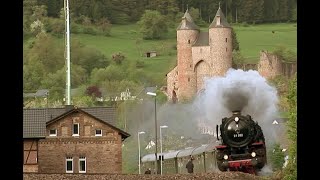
87 125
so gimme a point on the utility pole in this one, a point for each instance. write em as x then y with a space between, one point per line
67 50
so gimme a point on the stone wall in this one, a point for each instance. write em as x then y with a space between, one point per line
200 55
185 40
220 41
172 82
269 65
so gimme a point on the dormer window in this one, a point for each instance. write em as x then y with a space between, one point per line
98 132
53 132
75 129
218 20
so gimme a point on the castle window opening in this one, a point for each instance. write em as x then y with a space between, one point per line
218 20
226 39
226 49
189 41
190 65
188 79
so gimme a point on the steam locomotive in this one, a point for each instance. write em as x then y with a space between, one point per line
242 146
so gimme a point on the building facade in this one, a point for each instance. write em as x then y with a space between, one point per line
74 140
199 55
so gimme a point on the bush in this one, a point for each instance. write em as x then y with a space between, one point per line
276 157
285 54
140 64
245 24
89 30
118 57
75 28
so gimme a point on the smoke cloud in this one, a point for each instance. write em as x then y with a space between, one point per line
246 91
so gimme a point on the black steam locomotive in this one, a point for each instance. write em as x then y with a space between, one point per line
242 146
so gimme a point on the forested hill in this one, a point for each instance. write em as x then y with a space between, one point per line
126 11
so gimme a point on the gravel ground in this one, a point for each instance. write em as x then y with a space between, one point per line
205 176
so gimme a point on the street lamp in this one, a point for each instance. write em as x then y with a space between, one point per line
155 121
161 147
141 132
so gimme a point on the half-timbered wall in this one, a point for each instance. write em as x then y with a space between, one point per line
30 155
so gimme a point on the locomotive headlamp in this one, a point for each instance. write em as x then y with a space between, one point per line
253 154
225 157
236 119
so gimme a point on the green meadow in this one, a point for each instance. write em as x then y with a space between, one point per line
255 38
126 39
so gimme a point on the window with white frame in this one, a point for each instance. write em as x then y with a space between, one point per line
53 132
98 132
75 129
82 165
69 164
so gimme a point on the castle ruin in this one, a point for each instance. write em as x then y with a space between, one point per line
207 54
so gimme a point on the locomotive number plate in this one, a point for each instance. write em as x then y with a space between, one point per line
238 135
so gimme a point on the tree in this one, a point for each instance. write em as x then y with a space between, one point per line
93 91
153 25
118 57
291 168
195 14
235 43
237 59
47 52
87 57
104 25
33 73
285 54
111 73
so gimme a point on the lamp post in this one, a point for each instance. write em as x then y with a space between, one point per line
161 147
141 132
156 126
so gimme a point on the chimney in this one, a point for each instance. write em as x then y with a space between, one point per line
236 112
68 107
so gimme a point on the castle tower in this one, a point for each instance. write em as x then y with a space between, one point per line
220 42
187 33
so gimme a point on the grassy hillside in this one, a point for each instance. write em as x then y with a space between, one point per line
252 39
126 39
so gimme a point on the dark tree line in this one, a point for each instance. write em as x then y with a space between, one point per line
126 11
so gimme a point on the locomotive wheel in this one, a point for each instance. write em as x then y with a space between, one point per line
219 155
220 167
261 153
261 164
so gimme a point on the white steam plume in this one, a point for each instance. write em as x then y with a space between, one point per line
240 90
